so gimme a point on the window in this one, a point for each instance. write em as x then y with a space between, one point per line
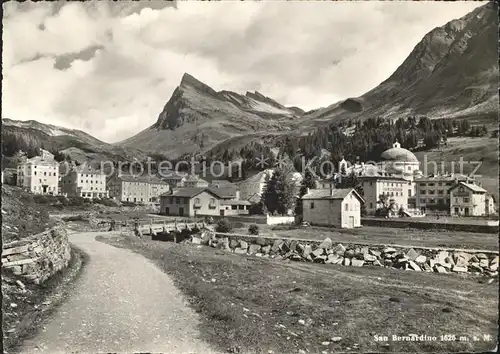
177 200
422 184
423 192
371 205
234 207
34 173
392 194
431 192
449 183
431 184
392 184
461 189
409 192
422 201
312 205
347 207
371 183
466 200
396 194
440 184
440 191
196 200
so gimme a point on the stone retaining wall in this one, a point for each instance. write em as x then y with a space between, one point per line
400 257
38 257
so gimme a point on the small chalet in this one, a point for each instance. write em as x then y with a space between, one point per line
333 207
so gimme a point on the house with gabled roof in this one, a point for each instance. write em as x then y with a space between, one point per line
203 201
467 199
332 207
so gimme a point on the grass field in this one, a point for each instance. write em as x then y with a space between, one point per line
255 305
388 236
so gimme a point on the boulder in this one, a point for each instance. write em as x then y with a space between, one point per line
327 243
332 258
365 250
243 244
234 243
347 261
388 263
306 250
240 250
412 254
441 256
276 245
340 260
389 250
414 266
377 263
266 249
261 241
225 243
196 240
349 253
461 255
449 260
375 253
339 249
426 267
320 259
254 248
440 269
318 252
369 258
420 259
357 262
475 267
484 263
459 269
481 256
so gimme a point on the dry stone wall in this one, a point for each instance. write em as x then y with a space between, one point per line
38 257
327 252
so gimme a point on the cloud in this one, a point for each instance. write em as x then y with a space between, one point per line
110 67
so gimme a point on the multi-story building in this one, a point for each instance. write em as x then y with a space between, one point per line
137 189
84 182
467 199
332 207
396 189
39 175
433 192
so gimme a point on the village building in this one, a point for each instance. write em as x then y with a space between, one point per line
396 189
84 182
467 199
39 175
490 208
9 176
251 189
173 178
400 162
203 201
193 181
222 183
433 192
332 207
137 189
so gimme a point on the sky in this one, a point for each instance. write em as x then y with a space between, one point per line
108 68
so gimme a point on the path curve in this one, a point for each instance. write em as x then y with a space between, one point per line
121 303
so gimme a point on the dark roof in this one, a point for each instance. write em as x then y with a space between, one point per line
340 193
225 192
471 186
169 174
188 192
384 178
143 179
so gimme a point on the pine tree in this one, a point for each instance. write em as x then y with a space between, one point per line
309 182
278 193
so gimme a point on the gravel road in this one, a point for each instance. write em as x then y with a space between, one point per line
122 303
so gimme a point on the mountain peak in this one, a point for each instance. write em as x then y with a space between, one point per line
190 81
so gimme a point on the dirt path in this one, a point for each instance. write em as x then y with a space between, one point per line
121 303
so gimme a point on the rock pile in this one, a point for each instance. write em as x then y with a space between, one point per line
38 257
355 255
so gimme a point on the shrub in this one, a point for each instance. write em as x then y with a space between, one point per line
224 226
253 229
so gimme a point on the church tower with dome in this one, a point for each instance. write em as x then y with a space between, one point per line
398 161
